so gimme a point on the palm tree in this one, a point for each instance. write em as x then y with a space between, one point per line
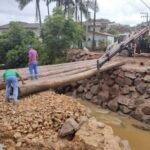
94 23
84 9
68 5
23 3
47 4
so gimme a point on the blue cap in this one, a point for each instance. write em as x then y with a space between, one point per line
29 46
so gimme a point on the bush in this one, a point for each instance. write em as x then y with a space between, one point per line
17 58
13 46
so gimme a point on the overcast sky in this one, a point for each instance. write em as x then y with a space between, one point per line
120 11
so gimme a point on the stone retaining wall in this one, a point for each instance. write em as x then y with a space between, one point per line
126 89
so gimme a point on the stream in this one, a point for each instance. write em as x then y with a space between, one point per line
123 126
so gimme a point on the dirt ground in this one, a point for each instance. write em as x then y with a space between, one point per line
35 121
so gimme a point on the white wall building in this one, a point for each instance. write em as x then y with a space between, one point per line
100 37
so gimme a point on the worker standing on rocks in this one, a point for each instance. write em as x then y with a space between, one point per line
33 61
11 79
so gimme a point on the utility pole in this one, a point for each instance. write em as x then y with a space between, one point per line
145 15
87 22
94 23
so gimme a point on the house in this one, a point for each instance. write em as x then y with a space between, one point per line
100 38
101 25
35 27
101 35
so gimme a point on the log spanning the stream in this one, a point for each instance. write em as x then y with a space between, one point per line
63 78
49 70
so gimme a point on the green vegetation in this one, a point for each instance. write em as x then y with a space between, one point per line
13 45
58 34
103 45
118 29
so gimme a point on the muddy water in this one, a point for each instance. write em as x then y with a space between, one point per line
122 126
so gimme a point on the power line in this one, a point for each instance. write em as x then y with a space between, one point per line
145 4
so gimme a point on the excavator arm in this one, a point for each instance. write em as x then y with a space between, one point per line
119 47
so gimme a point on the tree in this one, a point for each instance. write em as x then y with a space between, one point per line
80 7
90 4
72 8
13 45
23 3
60 34
94 23
47 4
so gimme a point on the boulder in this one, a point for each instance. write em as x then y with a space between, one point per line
137 81
125 90
147 78
95 81
88 96
124 144
116 72
125 109
104 105
18 144
110 82
80 89
105 87
113 76
95 100
130 75
121 74
146 119
128 81
148 90
113 105
103 96
17 135
141 88
142 112
82 120
130 103
69 127
137 115
95 136
94 89
132 89
114 92
87 87
138 75
120 81
135 95
146 110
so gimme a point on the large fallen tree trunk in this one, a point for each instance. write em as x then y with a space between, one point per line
62 74
58 71
54 66
48 83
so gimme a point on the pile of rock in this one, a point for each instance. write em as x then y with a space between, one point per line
37 118
38 122
81 54
126 89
